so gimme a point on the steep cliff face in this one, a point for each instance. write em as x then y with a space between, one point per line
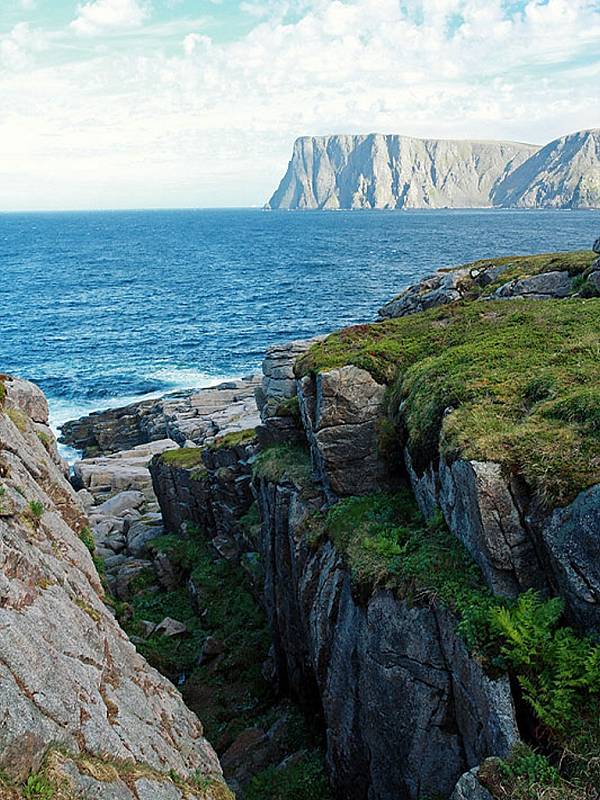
70 677
406 708
378 171
563 174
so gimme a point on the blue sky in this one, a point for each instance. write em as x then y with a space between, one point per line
145 103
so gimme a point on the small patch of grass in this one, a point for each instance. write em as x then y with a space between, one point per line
284 462
2 391
17 418
44 439
38 787
234 439
303 779
184 457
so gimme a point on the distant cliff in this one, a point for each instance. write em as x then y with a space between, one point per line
389 171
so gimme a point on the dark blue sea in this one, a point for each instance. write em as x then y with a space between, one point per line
100 308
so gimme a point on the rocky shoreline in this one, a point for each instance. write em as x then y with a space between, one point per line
322 537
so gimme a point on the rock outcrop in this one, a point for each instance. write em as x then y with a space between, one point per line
193 416
377 171
70 677
385 171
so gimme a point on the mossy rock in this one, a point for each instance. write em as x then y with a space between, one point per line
183 457
513 382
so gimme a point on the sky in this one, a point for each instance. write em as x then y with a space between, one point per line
197 103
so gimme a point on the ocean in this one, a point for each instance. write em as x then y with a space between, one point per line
102 308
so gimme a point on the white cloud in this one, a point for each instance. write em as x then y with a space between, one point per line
99 16
214 124
19 46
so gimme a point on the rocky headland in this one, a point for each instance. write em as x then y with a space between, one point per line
390 171
372 571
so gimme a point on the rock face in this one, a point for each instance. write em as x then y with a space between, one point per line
407 711
378 171
213 495
194 416
340 411
563 174
69 675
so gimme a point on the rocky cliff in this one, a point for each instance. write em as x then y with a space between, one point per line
563 174
379 171
81 711
388 171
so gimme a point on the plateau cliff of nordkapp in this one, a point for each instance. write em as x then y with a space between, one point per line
399 538
377 171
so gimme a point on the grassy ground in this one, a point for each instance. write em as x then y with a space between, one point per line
515 382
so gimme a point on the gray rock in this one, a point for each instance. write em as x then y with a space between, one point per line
572 539
547 284
593 278
480 508
438 289
87 498
340 410
596 245
469 788
407 710
170 627
124 501
139 534
124 587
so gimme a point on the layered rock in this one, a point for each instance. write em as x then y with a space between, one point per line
70 677
340 411
192 416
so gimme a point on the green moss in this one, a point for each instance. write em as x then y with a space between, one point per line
87 538
284 462
2 391
35 510
183 457
473 374
44 439
301 780
234 439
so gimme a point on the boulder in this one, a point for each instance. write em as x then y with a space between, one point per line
439 289
140 533
469 788
341 409
170 627
27 398
596 245
124 586
120 503
537 287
